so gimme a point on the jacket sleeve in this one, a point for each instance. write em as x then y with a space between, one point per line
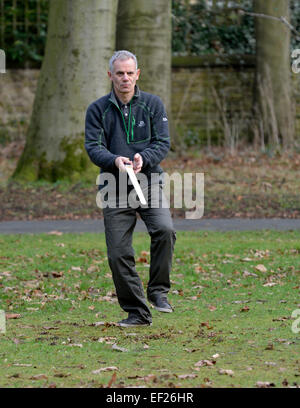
160 138
95 140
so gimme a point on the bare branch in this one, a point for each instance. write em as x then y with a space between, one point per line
282 19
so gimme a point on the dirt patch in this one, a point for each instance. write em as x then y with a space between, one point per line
245 185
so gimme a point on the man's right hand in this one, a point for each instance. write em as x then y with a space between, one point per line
119 162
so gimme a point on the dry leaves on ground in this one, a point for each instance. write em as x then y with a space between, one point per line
101 370
12 315
261 268
226 372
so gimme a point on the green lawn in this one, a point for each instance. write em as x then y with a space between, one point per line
230 313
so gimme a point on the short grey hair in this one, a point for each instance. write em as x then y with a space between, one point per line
122 55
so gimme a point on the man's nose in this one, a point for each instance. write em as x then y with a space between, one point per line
125 77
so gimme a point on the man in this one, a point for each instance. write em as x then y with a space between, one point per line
130 127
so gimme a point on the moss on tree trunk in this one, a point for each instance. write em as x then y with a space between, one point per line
80 41
273 104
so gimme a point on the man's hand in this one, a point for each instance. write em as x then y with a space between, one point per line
137 163
119 162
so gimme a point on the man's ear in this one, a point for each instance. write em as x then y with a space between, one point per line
138 73
109 74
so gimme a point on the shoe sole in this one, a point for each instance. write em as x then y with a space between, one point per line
161 309
134 325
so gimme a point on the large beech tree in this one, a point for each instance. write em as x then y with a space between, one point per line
80 41
273 101
144 28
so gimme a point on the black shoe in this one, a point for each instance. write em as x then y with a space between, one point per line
161 304
134 321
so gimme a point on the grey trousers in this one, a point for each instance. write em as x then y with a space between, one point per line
119 225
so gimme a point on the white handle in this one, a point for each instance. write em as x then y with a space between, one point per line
136 184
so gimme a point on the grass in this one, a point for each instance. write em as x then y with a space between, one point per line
229 314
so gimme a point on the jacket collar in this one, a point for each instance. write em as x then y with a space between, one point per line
113 98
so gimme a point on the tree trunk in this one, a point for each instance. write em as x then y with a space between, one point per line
80 41
273 103
144 28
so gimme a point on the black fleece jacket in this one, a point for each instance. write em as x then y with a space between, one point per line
108 135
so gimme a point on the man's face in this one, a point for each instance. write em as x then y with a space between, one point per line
124 76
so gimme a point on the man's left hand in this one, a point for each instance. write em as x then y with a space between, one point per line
137 163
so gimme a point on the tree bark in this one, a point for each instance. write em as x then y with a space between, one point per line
273 103
80 41
144 28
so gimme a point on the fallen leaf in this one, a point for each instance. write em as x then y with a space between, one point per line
199 269
12 315
207 381
142 259
55 232
148 377
202 363
261 268
107 340
245 309
281 319
75 345
96 324
100 370
246 273
5 273
262 384
270 363
62 375
56 274
16 375
22 365
39 377
270 284
106 324
117 348
226 372
206 324
50 328
112 380
184 376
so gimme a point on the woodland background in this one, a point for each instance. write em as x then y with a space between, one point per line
224 73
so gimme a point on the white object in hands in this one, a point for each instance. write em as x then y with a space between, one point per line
135 183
